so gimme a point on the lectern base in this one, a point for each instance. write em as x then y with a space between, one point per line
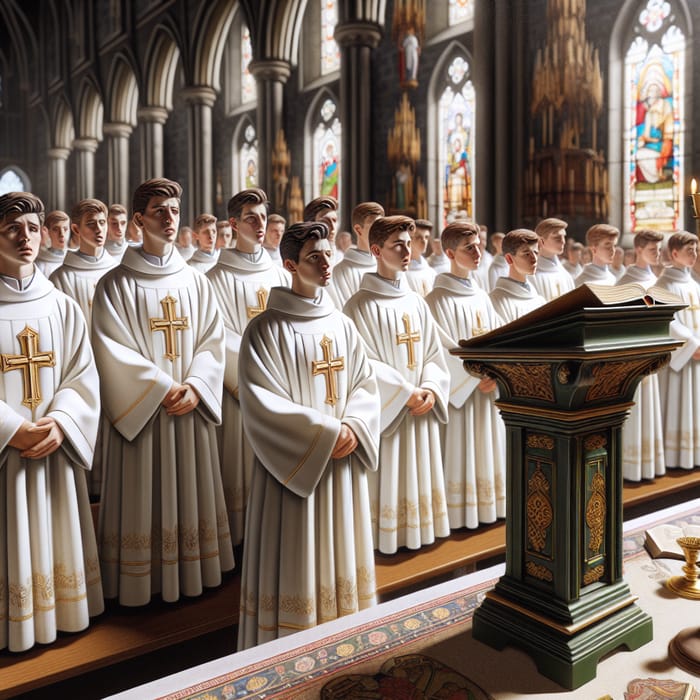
570 660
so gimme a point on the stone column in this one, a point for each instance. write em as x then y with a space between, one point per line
117 135
151 120
271 76
200 196
57 178
85 171
356 41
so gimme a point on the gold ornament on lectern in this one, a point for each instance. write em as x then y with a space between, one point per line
687 586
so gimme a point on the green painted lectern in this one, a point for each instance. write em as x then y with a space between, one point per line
566 374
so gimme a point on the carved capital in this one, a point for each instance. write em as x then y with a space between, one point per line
358 34
199 95
88 145
270 69
152 113
118 129
58 153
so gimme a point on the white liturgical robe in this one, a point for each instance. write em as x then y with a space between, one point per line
408 492
163 524
242 288
348 273
513 300
551 279
49 259
596 274
642 432
679 382
49 569
308 556
420 276
475 436
203 261
497 268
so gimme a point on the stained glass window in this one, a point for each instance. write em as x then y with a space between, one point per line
330 53
456 134
461 11
248 91
654 128
11 181
248 158
326 151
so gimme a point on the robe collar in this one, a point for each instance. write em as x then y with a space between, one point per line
134 260
51 254
419 264
456 285
360 258
38 287
548 264
201 256
515 289
676 274
229 257
87 262
642 275
372 282
284 300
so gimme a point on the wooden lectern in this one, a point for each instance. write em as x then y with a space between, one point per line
566 374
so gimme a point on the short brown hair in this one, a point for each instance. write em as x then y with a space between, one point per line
680 239
364 209
86 206
385 226
116 209
453 233
424 223
295 237
551 225
21 203
252 195
203 220
514 240
155 187
319 205
599 232
53 217
646 236
276 219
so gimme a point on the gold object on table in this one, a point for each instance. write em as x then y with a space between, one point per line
687 586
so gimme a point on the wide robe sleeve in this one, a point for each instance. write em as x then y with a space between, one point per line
10 423
293 442
435 375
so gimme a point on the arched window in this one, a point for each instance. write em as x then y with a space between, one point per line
456 122
654 80
245 167
319 52
323 147
248 88
239 88
330 53
13 180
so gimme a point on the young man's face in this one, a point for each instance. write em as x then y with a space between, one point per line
273 235
91 231
313 270
394 256
330 218
604 252
206 238
553 244
224 237
250 227
466 256
649 254
524 261
685 256
160 221
20 240
419 242
59 233
116 227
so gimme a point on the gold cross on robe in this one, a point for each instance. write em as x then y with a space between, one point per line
692 309
169 325
29 362
409 337
254 311
328 367
479 328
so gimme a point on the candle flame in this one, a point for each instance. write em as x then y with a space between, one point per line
693 186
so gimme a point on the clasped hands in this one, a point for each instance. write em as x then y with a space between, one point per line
180 399
420 401
37 440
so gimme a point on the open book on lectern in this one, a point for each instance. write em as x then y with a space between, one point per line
590 316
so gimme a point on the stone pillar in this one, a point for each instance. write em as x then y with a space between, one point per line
151 120
356 41
271 76
57 158
117 135
200 196
85 171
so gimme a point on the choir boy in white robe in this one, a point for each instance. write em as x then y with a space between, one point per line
224 235
348 273
601 239
551 279
481 274
207 254
475 438
325 208
617 266
49 407
311 412
642 432
117 219
420 275
51 258
514 296
242 280
183 243
437 258
159 347
408 493
273 235
679 382
574 253
499 266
